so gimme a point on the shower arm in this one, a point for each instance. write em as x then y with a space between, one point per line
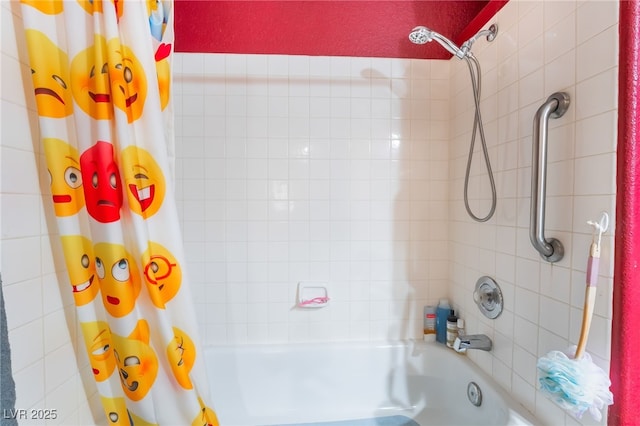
555 106
490 33
449 45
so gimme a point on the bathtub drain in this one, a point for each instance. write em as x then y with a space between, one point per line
474 394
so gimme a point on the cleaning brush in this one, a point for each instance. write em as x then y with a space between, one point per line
570 378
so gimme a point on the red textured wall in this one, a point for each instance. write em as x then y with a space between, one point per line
325 28
625 338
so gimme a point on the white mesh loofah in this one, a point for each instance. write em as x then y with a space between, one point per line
575 385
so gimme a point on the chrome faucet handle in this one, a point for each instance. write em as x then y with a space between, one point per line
488 297
485 295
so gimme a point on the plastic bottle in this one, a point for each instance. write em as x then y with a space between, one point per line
442 312
452 328
461 332
429 323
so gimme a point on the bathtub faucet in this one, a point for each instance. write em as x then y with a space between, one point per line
473 341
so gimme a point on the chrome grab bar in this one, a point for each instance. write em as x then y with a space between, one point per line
555 106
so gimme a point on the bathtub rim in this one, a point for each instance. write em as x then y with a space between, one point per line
518 412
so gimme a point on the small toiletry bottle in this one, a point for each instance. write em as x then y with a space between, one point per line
452 328
442 312
429 321
461 332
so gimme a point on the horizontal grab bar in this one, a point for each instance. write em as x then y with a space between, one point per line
555 106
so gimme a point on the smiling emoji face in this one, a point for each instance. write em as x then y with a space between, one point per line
97 340
50 74
181 354
128 80
162 274
144 181
90 80
137 363
78 255
102 187
119 278
63 163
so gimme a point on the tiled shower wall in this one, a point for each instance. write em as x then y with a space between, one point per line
349 171
541 48
313 169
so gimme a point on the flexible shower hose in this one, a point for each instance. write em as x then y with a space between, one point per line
478 127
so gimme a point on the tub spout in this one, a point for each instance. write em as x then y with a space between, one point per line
473 341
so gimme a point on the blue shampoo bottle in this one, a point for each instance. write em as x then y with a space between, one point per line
442 312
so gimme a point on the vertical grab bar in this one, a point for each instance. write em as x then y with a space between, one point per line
555 106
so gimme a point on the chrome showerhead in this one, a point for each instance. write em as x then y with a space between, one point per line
420 35
423 35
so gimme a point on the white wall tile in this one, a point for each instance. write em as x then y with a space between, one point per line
593 17
589 173
529 60
22 164
597 94
213 64
560 38
30 385
192 64
559 74
60 366
600 46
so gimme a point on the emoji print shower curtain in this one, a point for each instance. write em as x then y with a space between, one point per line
102 83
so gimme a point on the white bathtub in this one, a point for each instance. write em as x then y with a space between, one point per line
353 384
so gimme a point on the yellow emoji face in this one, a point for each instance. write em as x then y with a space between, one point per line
97 340
128 80
90 80
118 415
63 162
181 354
137 363
50 74
144 181
48 7
206 416
162 274
119 278
81 267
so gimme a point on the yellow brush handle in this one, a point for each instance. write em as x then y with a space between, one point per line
587 314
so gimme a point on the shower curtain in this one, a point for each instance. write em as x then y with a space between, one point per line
101 72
